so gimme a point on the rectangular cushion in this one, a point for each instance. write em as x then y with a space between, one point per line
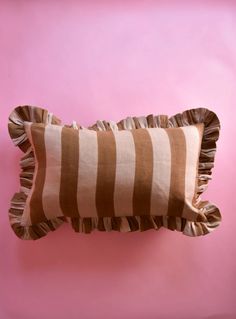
126 176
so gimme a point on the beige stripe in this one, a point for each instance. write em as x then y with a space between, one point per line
178 164
201 128
125 172
143 172
193 143
51 200
86 188
161 171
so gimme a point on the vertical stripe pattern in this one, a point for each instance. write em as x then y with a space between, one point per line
130 172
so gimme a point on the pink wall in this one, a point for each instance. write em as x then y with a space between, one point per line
89 60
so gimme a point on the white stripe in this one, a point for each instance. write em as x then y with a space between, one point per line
87 173
125 173
193 145
161 171
51 189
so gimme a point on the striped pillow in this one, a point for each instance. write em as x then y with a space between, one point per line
137 174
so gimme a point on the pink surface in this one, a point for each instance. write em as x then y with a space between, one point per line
89 60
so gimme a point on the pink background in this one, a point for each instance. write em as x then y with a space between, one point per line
89 60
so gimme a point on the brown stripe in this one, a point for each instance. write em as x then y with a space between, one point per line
69 171
143 172
36 205
106 173
178 164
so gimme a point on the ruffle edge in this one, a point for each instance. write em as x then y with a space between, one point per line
209 220
17 133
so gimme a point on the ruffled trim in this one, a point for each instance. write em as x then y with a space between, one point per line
208 221
209 215
27 164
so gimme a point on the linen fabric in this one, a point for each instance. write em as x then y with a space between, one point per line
140 173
